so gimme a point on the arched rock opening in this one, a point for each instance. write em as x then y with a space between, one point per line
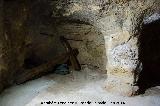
31 37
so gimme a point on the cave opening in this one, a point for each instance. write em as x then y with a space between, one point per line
150 55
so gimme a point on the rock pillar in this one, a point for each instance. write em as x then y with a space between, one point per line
121 36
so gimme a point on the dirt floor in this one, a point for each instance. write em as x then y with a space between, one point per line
85 87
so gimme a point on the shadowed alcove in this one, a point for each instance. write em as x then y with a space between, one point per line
150 55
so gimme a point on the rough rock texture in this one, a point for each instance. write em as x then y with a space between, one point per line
24 39
13 44
120 22
105 31
44 33
1 44
88 40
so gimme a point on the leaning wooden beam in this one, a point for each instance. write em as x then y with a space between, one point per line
72 57
41 70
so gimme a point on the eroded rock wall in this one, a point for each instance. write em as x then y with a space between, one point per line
107 34
120 23
1 44
45 30
13 40
88 40
31 34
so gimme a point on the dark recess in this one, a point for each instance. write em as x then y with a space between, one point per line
150 56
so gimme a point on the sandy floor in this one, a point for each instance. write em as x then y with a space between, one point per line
77 88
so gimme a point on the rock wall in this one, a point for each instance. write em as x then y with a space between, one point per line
31 35
120 23
13 40
45 30
1 44
88 40
106 32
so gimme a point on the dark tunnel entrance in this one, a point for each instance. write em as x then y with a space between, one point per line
150 56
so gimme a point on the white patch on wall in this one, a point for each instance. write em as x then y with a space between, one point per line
124 56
